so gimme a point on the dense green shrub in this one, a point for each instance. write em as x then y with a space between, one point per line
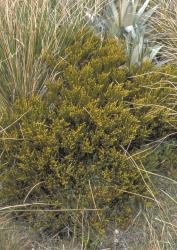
71 141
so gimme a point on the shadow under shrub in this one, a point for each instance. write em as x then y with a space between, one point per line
71 141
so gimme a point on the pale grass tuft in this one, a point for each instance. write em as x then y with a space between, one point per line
30 29
164 25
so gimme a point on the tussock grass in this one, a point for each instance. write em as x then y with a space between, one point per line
29 29
13 237
164 25
155 225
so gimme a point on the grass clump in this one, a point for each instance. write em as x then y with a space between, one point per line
165 30
13 237
30 29
65 151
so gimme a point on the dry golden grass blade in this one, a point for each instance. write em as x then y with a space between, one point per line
164 25
30 29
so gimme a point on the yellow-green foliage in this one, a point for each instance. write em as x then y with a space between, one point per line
70 143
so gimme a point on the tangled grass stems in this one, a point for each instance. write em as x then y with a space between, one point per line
12 237
159 218
154 227
164 29
30 29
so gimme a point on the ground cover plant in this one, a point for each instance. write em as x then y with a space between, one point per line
88 124
69 145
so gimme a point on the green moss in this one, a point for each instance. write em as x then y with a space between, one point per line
71 142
